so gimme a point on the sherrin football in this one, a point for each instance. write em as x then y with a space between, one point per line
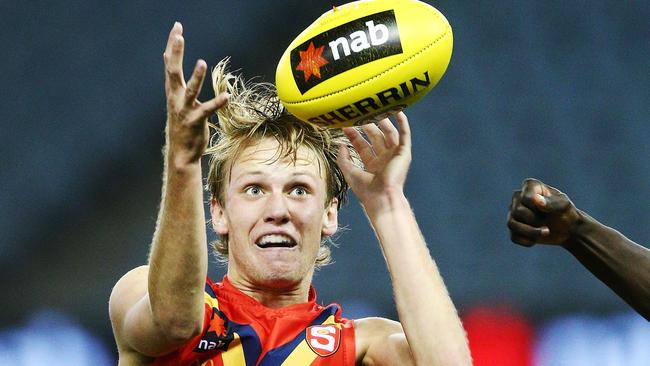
364 60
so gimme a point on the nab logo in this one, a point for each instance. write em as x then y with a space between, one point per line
378 35
324 340
218 335
345 47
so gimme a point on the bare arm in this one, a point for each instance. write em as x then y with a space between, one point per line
434 333
542 214
170 311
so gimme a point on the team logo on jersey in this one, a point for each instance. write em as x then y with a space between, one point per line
345 47
324 340
218 335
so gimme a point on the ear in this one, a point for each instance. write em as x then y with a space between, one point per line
219 219
331 218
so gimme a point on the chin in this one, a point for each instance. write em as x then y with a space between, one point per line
281 276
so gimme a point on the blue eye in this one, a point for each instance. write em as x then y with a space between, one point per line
299 191
253 190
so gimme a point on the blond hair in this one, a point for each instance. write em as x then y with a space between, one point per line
254 112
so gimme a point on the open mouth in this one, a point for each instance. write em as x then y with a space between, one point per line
275 241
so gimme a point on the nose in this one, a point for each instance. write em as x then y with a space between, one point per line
277 210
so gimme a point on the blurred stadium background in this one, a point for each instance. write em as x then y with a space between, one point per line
557 90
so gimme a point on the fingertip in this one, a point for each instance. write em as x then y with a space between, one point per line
177 44
350 132
221 100
403 122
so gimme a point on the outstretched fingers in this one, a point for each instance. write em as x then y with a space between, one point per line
360 144
195 83
389 132
404 130
209 107
351 172
385 136
375 136
173 58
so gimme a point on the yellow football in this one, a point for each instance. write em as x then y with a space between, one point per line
364 60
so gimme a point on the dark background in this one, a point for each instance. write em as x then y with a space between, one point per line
557 90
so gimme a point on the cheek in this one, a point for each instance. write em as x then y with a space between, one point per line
242 218
310 217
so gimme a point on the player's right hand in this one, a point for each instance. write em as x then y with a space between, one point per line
187 129
540 213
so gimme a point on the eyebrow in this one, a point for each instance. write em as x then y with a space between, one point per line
261 173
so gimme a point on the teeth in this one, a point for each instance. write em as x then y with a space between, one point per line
274 239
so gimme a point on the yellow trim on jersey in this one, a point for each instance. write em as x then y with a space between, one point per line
235 354
303 355
211 301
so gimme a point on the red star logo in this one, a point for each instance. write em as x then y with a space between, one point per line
217 325
311 61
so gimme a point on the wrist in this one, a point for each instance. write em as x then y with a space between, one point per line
180 172
579 230
391 200
182 163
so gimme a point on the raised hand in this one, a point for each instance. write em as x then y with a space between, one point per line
541 214
187 129
386 156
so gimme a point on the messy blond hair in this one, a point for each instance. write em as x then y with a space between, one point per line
254 112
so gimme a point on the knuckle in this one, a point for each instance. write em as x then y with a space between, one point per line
205 110
529 181
564 200
527 197
191 92
520 212
174 73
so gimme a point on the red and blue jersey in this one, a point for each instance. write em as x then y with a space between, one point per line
239 331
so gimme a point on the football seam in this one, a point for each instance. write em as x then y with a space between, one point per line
443 35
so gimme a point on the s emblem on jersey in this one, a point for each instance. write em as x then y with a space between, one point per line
324 340
218 335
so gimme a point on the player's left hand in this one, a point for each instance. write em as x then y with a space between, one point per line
386 155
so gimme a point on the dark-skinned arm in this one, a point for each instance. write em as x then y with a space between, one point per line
540 213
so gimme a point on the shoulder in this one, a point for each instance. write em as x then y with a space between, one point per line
127 292
380 341
129 289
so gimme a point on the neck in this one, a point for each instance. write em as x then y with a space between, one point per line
274 294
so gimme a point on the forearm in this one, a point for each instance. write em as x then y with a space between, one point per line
426 312
620 263
178 258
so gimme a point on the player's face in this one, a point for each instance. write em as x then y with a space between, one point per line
274 215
